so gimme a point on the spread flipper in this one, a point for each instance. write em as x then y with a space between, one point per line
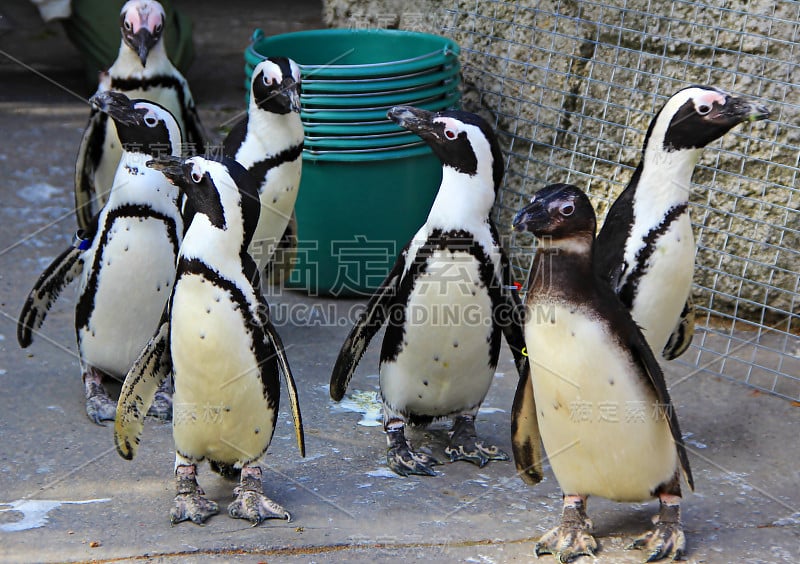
526 443
511 311
63 270
291 389
152 367
365 328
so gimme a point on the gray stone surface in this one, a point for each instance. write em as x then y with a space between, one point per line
345 505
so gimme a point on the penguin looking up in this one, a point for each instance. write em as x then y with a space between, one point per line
645 248
125 260
218 342
595 391
446 301
268 142
141 70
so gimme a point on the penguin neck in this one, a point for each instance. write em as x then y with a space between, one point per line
218 248
462 202
129 65
136 183
562 267
275 132
664 178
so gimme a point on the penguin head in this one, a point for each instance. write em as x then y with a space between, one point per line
559 213
697 115
275 86
142 126
142 24
218 188
463 141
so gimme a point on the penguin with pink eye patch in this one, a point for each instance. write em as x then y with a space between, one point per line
445 303
268 142
646 247
142 70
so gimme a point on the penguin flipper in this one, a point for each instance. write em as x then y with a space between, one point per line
681 336
369 322
512 325
291 388
86 197
526 442
643 356
64 269
152 367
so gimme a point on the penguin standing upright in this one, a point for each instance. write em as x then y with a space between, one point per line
268 142
595 391
447 299
142 70
646 248
125 260
217 340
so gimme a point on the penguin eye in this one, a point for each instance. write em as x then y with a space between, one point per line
567 210
450 134
703 109
128 25
157 29
150 120
196 177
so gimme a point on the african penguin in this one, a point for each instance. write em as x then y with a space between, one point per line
595 391
125 261
446 301
218 342
268 142
646 248
141 70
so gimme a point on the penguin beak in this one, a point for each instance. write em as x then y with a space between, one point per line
171 167
737 110
292 91
533 218
142 41
414 119
118 107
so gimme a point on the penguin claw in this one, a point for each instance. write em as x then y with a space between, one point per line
255 507
100 407
192 507
475 453
404 461
666 540
464 444
572 538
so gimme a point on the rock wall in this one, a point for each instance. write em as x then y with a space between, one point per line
572 87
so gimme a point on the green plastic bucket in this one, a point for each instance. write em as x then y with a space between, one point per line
367 184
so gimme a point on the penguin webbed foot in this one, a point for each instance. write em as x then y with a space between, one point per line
572 538
402 460
666 539
251 503
99 405
464 444
161 408
189 504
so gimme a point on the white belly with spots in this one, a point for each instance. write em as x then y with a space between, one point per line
443 367
134 283
602 429
664 289
219 409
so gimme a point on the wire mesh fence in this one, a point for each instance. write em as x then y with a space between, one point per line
572 87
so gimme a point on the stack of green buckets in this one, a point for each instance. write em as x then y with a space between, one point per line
367 184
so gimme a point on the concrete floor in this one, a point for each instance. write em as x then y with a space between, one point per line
345 505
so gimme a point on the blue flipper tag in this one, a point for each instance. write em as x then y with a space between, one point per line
80 242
